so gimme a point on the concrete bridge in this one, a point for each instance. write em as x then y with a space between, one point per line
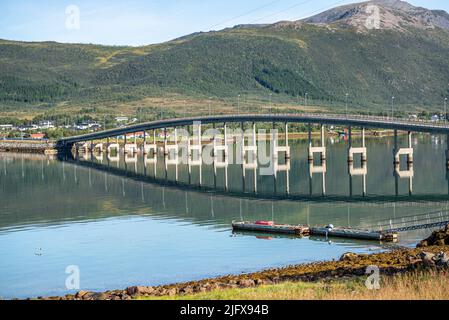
250 147
324 119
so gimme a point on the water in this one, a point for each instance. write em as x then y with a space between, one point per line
122 226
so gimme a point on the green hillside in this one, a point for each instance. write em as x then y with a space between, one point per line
285 60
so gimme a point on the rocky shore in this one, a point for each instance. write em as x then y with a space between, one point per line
42 147
437 238
350 265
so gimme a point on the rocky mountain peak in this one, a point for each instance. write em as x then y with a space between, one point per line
383 14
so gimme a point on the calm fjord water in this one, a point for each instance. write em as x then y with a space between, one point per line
122 227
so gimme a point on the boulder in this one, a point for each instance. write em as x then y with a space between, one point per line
442 260
80 294
139 290
348 256
171 292
437 238
246 283
427 259
186 290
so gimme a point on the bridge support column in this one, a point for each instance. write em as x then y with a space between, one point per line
84 147
360 150
398 152
276 148
130 147
287 147
221 146
225 127
249 148
165 142
350 154
111 146
321 150
172 151
97 146
447 152
191 147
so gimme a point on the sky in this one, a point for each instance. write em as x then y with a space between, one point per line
142 22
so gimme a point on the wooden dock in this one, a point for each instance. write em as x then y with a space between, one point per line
299 230
354 234
304 230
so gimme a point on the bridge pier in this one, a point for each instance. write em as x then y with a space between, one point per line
172 149
151 147
249 148
276 149
447 152
198 146
356 150
222 146
398 152
111 146
321 150
84 147
94 146
130 147
398 172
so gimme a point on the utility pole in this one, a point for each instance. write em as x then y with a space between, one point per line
392 107
210 110
271 106
305 99
238 104
347 95
445 110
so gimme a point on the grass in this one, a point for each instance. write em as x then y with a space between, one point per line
411 286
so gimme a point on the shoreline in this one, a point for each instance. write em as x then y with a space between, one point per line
350 266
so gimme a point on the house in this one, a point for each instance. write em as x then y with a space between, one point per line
46 124
435 118
37 136
5 127
121 119
28 128
135 135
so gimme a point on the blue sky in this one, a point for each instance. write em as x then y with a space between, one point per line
139 22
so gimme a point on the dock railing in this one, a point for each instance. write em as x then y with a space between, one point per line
421 221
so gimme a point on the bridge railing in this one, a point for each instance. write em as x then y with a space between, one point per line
382 119
378 120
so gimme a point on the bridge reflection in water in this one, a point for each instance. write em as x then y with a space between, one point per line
167 163
211 194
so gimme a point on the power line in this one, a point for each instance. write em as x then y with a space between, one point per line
244 14
323 9
281 11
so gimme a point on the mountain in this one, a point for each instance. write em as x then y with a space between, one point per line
328 55
393 14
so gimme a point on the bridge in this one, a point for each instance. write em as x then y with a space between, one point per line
364 121
249 147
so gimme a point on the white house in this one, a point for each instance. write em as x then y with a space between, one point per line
121 119
5 127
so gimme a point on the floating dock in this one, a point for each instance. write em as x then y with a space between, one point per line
299 230
303 230
355 234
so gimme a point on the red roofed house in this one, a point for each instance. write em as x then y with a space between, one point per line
37 136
